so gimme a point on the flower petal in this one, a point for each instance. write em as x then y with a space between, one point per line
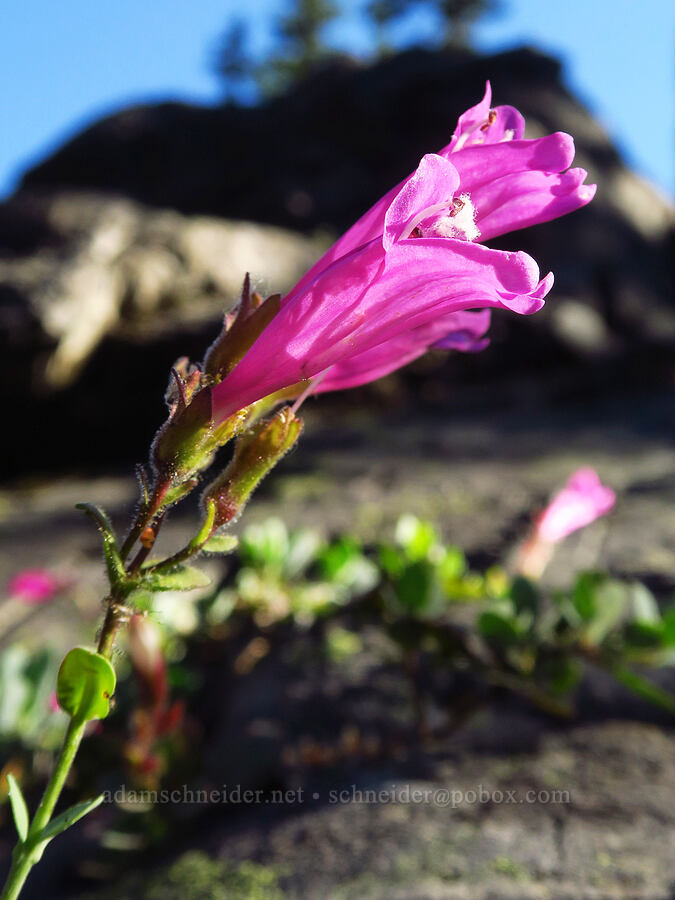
457 331
431 187
528 198
364 299
482 125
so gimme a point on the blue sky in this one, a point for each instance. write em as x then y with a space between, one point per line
64 64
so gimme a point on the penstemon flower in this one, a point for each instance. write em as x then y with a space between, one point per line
583 500
394 284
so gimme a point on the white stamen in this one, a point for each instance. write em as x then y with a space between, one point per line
461 225
508 135
420 217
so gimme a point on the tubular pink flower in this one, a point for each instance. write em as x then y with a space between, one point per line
412 275
583 500
391 287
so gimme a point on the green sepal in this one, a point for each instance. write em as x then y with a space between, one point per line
85 684
113 561
221 543
19 808
69 817
177 578
180 445
178 491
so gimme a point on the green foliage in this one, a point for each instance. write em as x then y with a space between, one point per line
19 808
85 684
295 575
425 595
69 817
26 683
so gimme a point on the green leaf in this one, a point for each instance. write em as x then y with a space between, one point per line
85 684
562 674
19 808
644 688
611 600
498 628
69 817
337 555
414 589
221 543
452 564
303 549
416 537
266 543
179 578
116 573
391 560
645 607
583 596
524 595
669 627
644 634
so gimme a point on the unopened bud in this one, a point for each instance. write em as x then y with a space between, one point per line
180 446
238 335
256 453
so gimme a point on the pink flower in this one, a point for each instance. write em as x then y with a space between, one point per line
34 585
512 183
406 275
583 500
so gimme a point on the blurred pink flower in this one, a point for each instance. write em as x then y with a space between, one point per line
583 500
395 283
34 585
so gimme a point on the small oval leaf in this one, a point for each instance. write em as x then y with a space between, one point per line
69 817
221 543
179 578
85 684
19 808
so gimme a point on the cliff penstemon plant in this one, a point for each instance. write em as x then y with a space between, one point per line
409 275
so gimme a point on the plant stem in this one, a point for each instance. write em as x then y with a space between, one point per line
112 621
27 854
